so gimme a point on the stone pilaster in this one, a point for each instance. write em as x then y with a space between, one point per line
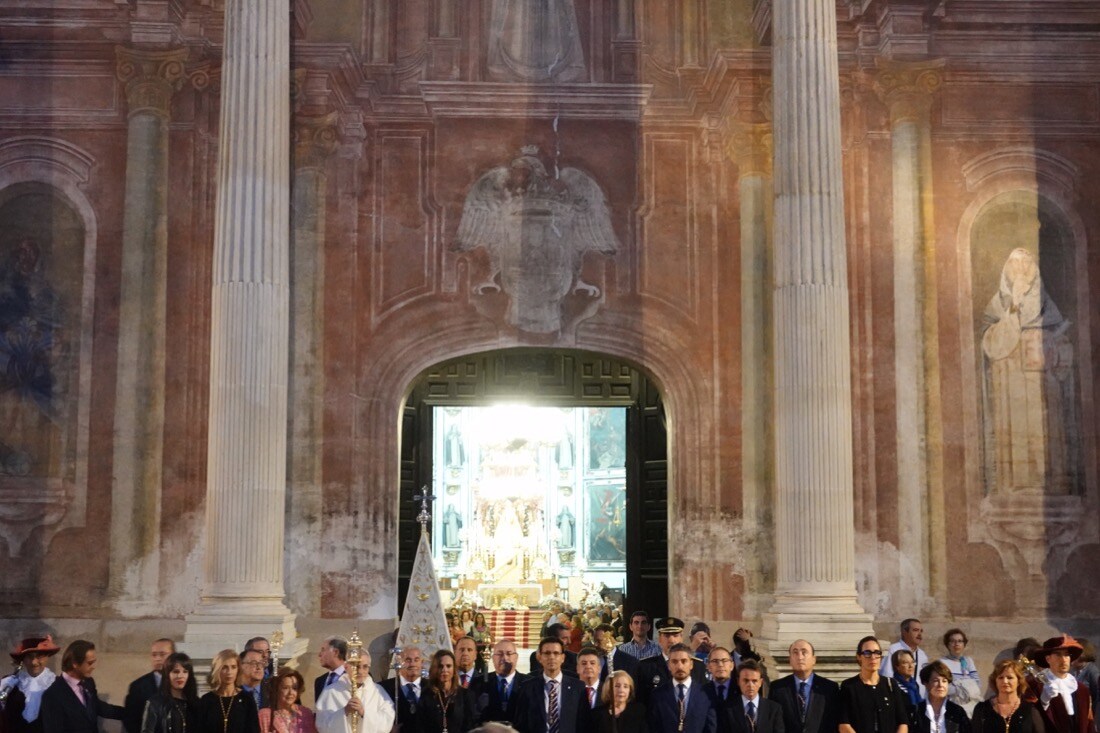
315 141
150 79
815 593
750 147
242 592
907 90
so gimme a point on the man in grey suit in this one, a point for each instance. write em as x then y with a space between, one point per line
749 712
808 700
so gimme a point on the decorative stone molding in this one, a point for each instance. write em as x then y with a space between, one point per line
151 77
907 89
751 147
315 139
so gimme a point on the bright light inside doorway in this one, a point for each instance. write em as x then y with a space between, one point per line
509 423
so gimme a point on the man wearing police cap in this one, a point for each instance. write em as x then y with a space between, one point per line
653 672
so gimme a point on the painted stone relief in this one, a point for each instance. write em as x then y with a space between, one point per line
535 41
41 243
1028 361
536 228
1029 385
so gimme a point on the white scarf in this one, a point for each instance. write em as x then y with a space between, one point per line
1054 686
32 688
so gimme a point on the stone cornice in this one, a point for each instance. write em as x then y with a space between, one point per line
582 101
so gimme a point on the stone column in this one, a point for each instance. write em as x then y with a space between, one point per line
150 79
751 148
242 592
815 594
906 89
314 143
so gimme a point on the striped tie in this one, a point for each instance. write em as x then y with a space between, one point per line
552 707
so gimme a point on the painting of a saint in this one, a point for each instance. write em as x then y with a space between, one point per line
607 524
1028 384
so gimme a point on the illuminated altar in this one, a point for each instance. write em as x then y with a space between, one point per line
531 502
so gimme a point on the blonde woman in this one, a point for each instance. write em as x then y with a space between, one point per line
226 709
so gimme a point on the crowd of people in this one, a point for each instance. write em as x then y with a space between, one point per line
670 682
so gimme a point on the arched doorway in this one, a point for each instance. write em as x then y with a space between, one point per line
551 378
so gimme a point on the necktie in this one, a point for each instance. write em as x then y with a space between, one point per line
803 703
722 691
410 693
332 676
503 691
552 706
680 702
87 690
591 696
465 679
750 713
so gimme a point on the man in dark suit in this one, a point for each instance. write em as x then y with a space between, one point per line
146 686
549 702
651 673
405 689
496 692
334 650
569 666
680 703
71 704
613 658
749 712
589 662
809 701
721 688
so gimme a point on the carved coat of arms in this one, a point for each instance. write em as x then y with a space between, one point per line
536 228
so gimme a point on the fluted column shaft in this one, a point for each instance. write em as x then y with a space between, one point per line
150 79
246 470
814 528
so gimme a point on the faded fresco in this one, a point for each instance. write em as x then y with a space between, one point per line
1024 287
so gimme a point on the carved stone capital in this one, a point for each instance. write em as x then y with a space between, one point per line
907 89
151 77
315 139
750 147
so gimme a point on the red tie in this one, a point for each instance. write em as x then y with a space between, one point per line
591 697
465 679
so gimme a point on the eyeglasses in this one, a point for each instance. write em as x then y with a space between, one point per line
720 660
868 653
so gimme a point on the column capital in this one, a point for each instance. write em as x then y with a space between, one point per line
315 139
907 88
151 77
750 146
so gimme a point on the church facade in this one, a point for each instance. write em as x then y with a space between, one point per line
590 175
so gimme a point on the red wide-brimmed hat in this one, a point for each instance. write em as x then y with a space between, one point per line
43 644
1065 641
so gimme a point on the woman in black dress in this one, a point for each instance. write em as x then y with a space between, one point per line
173 709
444 705
1006 712
618 711
226 709
937 714
870 703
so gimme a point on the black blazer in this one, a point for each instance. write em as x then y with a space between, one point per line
461 713
620 660
404 711
769 716
141 691
490 706
633 720
652 672
664 710
530 702
569 666
725 720
955 719
62 711
821 713
12 715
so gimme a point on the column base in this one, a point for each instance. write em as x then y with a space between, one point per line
834 625
228 624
